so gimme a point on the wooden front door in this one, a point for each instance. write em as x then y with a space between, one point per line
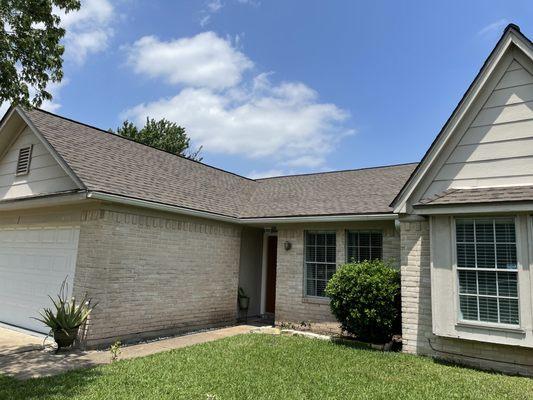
272 255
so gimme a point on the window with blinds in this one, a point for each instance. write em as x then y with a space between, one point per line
320 261
487 270
364 245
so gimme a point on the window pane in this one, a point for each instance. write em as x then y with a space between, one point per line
320 261
487 296
352 254
505 231
509 311
488 309
468 307
466 255
321 271
311 271
330 254
310 253
485 256
484 230
311 287
506 256
465 231
321 287
487 283
364 246
321 254
467 282
364 239
507 284
364 253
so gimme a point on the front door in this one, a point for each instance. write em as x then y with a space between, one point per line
272 255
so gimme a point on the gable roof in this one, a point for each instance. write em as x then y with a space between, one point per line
110 164
510 36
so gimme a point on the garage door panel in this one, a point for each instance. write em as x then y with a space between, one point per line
34 261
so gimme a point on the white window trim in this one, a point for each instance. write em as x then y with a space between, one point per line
304 285
347 231
482 324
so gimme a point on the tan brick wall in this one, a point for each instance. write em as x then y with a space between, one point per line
416 314
291 304
155 273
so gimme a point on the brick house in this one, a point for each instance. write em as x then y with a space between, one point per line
163 242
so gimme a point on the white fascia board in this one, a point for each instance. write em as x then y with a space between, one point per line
57 199
320 218
460 113
475 209
248 221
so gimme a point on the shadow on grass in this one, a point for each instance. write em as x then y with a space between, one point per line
66 385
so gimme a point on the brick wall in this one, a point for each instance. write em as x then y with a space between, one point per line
416 314
291 304
155 273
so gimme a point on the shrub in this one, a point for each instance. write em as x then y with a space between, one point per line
365 298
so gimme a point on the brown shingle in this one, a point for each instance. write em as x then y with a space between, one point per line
109 163
479 195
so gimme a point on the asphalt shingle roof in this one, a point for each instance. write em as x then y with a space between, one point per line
479 195
109 163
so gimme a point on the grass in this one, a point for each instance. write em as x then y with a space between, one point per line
272 367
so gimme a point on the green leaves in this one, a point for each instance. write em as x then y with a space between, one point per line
365 299
30 52
163 135
66 313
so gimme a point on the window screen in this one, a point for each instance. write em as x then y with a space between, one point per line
364 245
487 270
320 261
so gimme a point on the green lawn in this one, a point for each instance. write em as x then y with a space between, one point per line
272 367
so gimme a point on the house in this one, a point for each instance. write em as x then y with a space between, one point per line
163 242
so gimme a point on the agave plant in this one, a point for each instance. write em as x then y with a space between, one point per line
66 314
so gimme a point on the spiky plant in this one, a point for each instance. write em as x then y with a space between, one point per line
66 314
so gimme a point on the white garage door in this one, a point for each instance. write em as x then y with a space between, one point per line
34 261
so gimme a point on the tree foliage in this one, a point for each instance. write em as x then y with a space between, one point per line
163 135
30 49
365 299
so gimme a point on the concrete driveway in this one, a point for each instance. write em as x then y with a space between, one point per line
14 341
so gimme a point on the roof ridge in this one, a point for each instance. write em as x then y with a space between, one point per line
337 171
139 143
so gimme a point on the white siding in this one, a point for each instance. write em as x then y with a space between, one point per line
497 148
46 175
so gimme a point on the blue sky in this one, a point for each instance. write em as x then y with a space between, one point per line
278 87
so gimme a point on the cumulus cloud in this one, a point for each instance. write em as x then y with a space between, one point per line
204 60
88 30
284 122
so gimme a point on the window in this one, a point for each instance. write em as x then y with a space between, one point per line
364 245
24 159
320 261
487 270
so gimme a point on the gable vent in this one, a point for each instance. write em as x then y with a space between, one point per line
23 162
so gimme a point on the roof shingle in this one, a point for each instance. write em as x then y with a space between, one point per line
109 163
479 195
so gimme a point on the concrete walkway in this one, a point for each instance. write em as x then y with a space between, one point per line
39 363
13 340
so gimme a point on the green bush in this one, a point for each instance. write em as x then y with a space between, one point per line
365 299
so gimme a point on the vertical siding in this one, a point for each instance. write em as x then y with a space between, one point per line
46 175
497 148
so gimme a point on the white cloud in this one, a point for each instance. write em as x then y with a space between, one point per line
3 108
265 174
88 30
284 123
493 27
204 60
214 5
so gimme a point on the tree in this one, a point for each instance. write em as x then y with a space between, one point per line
163 135
30 52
